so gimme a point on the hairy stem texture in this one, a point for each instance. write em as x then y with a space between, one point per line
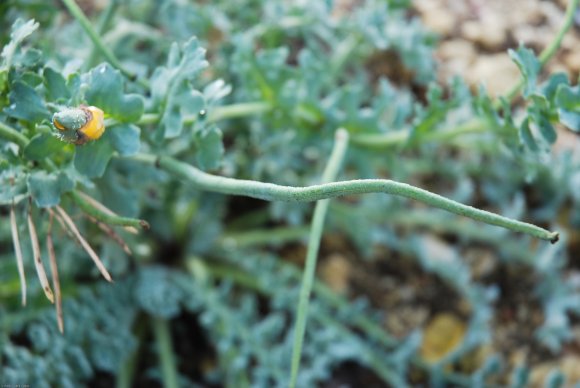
273 192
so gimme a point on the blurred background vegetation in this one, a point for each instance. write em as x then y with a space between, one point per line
405 294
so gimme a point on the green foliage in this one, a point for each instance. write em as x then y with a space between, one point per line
105 90
258 94
171 87
46 189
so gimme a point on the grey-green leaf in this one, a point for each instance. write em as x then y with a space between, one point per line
125 138
46 189
92 159
106 92
210 148
527 137
42 146
55 85
26 104
529 66
20 30
568 103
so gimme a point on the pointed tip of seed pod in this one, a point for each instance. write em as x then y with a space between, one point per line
108 277
555 238
49 295
144 224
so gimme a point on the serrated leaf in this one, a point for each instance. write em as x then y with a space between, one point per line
529 65
105 91
26 104
46 189
42 146
55 85
125 138
568 103
92 159
210 148
171 87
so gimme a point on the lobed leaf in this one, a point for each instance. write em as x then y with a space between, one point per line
105 90
26 104
46 188
529 66
42 146
568 104
171 89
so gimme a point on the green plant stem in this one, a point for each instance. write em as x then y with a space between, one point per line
107 218
329 175
273 192
218 113
11 134
104 23
166 354
550 50
85 23
392 139
127 369
238 110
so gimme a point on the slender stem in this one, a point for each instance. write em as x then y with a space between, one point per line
104 216
551 49
329 175
238 110
104 22
166 354
396 138
218 113
126 371
85 23
11 134
273 192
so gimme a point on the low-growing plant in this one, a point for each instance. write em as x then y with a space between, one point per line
177 145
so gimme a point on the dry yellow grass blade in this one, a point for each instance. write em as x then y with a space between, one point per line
73 228
55 279
18 252
38 260
96 204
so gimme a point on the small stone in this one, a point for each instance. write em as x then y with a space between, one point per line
572 61
335 272
497 72
490 35
440 21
